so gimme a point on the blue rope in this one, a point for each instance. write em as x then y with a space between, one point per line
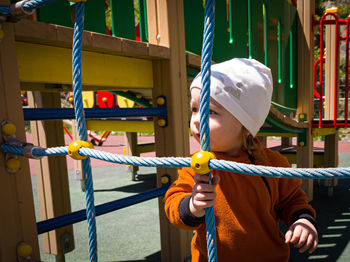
28 6
204 116
34 4
81 126
177 162
4 10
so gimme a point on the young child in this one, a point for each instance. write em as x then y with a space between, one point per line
247 208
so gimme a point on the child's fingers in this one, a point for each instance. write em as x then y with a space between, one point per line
205 187
205 196
204 178
197 188
302 239
314 245
288 236
308 244
203 204
296 235
200 178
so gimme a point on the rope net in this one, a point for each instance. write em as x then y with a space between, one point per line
177 162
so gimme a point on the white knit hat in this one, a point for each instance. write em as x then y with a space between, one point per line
244 88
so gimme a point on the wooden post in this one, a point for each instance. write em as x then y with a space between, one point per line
17 221
286 141
331 159
52 176
131 150
166 28
331 84
78 164
306 11
331 67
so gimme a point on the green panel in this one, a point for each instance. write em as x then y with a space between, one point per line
284 93
194 16
143 20
59 13
280 57
95 16
223 49
257 30
276 31
123 19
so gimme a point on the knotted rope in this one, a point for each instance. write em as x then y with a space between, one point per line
207 48
81 126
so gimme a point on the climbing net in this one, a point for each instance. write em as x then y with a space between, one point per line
201 163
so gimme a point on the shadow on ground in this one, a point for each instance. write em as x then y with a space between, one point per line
151 258
144 182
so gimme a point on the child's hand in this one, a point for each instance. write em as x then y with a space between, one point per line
203 194
303 234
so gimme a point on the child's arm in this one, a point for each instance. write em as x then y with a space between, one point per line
303 235
178 198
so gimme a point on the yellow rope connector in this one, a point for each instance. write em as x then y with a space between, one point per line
161 122
24 250
200 162
12 165
160 101
165 179
73 149
8 129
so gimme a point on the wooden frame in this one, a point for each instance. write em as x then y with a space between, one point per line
306 11
331 141
166 28
163 61
18 222
52 176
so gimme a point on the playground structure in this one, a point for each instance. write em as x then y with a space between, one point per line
104 99
29 52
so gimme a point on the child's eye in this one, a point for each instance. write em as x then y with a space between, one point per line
211 112
194 109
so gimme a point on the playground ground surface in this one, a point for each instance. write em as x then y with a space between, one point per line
132 233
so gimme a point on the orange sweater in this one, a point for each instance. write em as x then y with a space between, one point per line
246 216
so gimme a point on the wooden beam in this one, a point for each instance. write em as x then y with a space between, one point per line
126 126
166 28
61 36
330 68
131 150
323 131
306 11
48 64
52 176
17 222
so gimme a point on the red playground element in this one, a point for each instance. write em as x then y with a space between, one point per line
105 99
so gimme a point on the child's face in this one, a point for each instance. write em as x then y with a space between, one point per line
225 130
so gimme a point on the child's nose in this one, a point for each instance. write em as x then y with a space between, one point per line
195 119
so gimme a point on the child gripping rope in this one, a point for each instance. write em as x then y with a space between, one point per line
247 208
